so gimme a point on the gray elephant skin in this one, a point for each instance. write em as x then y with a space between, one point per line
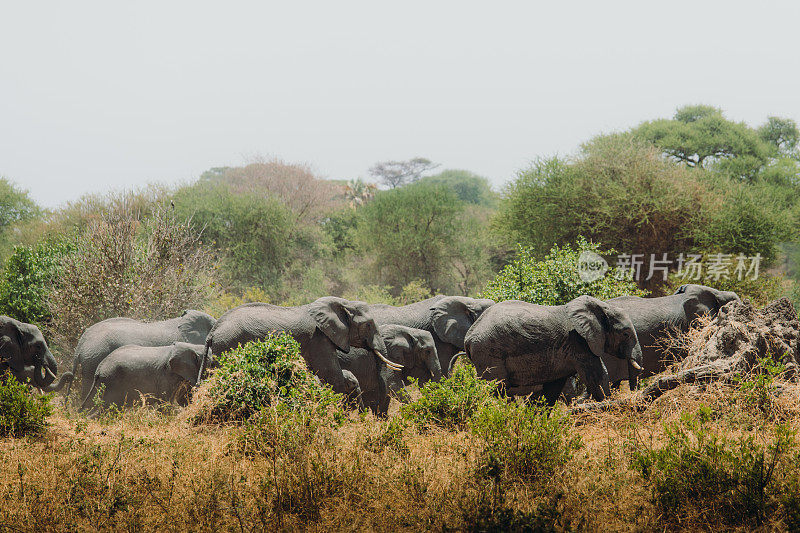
413 349
100 339
653 318
25 354
446 318
525 345
155 373
321 327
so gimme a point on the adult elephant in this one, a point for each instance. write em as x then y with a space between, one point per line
525 345
321 327
100 339
413 349
25 354
153 373
446 318
654 318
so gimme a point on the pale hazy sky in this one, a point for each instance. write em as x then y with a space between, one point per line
109 95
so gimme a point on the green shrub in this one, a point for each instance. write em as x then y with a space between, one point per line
21 413
452 402
26 280
525 443
554 280
698 472
265 373
758 387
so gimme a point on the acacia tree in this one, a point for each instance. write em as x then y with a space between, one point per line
395 174
700 136
308 196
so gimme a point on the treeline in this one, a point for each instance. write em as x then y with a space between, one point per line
696 183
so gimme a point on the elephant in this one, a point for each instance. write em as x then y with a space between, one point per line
100 339
25 354
414 349
320 327
446 318
525 345
157 373
653 318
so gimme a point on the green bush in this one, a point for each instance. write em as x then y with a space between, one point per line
452 402
264 373
554 280
26 280
698 472
525 443
21 413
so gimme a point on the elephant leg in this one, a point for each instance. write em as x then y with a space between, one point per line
491 368
354 395
592 371
552 390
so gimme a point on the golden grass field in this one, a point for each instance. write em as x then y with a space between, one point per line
145 470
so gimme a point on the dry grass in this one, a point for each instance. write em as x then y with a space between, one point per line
145 470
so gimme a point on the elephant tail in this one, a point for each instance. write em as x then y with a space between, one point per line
453 362
91 393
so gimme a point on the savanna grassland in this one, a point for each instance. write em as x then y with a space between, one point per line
719 456
708 460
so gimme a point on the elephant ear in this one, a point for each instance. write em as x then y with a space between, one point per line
333 319
694 307
183 361
451 320
587 317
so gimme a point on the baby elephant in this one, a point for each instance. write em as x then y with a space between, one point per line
159 373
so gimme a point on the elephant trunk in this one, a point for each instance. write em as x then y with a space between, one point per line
434 366
203 360
66 378
634 356
44 371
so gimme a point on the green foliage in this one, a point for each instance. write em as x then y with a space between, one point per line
264 373
758 385
452 402
407 234
698 471
253 233
27 278
469 187
618 191
750 221
698 135
554 280
781 134
524 443
15 206
227 300
21 413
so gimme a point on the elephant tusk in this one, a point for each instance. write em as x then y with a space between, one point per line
50 372
636 365
390 364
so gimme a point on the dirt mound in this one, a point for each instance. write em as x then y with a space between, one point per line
732 343
740 335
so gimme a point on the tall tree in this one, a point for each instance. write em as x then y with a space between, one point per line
395 174
409 233
700 136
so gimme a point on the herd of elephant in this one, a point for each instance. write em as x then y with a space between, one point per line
369 352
